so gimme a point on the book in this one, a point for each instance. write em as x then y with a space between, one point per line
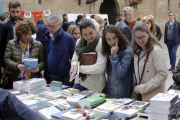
109 106
75 101
89 58
110 117
35 101
138 118
173 91
71 116
165 100
31 63
60 103
75 72
140 104
141 114
124 101
56 85
126 111
100 113
90 101
159 116
47 112
57 116
16 92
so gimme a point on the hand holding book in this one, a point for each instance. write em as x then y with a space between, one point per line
22 67
34 70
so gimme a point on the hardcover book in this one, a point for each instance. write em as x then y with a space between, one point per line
89 58
90 101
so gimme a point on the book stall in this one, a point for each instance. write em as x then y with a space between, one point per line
59 102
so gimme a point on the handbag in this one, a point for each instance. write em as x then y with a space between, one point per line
134 95
176 76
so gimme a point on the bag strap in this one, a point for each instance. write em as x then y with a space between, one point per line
143 68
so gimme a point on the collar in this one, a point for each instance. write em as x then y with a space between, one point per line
172 22
126 22
59 34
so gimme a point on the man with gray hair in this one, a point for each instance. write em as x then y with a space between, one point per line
158 30
59 48
124 25
172 38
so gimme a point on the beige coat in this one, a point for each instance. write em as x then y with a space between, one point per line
155 74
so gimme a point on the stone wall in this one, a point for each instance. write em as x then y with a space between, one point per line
158 8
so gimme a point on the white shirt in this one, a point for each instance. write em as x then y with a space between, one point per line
172 22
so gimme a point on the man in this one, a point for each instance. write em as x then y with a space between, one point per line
15 109
172 38
158 30
65 24
59 48
124 25
7 30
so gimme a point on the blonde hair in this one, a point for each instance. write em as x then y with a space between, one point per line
72 28
96 24
100 21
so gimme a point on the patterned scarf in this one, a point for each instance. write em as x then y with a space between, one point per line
25 54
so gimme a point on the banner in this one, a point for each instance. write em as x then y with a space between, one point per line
37 14
22 14
47 13
73 17
27 15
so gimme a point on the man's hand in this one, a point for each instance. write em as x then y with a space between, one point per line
114 49
71 70
34 70
2 71
22 67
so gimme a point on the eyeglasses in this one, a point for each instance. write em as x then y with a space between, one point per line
131 15
52 27
142 38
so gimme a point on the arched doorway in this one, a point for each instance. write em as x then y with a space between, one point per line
111 8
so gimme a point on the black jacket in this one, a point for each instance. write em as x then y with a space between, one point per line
124 27
6 34
13 109
158 31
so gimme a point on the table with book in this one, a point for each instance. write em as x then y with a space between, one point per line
59 102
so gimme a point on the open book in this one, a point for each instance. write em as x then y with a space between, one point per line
75 72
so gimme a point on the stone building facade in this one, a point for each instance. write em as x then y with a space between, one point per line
114 8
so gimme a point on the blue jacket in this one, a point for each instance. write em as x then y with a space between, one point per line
158 31
13 109
124 27
120 74
42 29
58 55
176 32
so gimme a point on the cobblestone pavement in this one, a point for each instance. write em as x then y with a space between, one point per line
169 80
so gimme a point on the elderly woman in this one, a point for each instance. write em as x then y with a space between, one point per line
18 49
74 31
91 76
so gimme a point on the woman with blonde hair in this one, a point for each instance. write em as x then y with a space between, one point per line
74 31
149 63
149 21
101 24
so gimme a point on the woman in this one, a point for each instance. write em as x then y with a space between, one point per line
23 47
41 30
147 50
101 24
79 20
91 76
74 31
149 21
120 63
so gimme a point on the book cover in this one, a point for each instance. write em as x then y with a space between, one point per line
124 101
57 116
164 99
31 63
109 106
140 104
89 58
75 72
173 91
92 100
59 102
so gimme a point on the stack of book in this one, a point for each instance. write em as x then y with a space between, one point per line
92 102
56 85
53 95
107 108
173 91
44 93
163 106
140 105
60 103
125 101
47 112
68 92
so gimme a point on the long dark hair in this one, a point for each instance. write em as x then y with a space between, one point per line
152 40
123 41
79 17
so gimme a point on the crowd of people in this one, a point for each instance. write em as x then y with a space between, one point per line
130 58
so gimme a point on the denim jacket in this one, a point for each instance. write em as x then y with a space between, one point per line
120 74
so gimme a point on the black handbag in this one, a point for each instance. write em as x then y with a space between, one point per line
176 76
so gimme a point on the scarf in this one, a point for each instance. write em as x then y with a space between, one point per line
25 54
82 47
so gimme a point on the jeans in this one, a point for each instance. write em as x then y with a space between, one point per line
172 48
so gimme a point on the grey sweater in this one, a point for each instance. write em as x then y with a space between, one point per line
170 32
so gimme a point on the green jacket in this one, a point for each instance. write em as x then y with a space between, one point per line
13 57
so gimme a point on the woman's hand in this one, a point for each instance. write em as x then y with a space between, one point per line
22 67
136 89
71 70
114 49
34 70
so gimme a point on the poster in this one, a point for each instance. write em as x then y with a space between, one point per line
27 15
103 16
72 17
47 13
